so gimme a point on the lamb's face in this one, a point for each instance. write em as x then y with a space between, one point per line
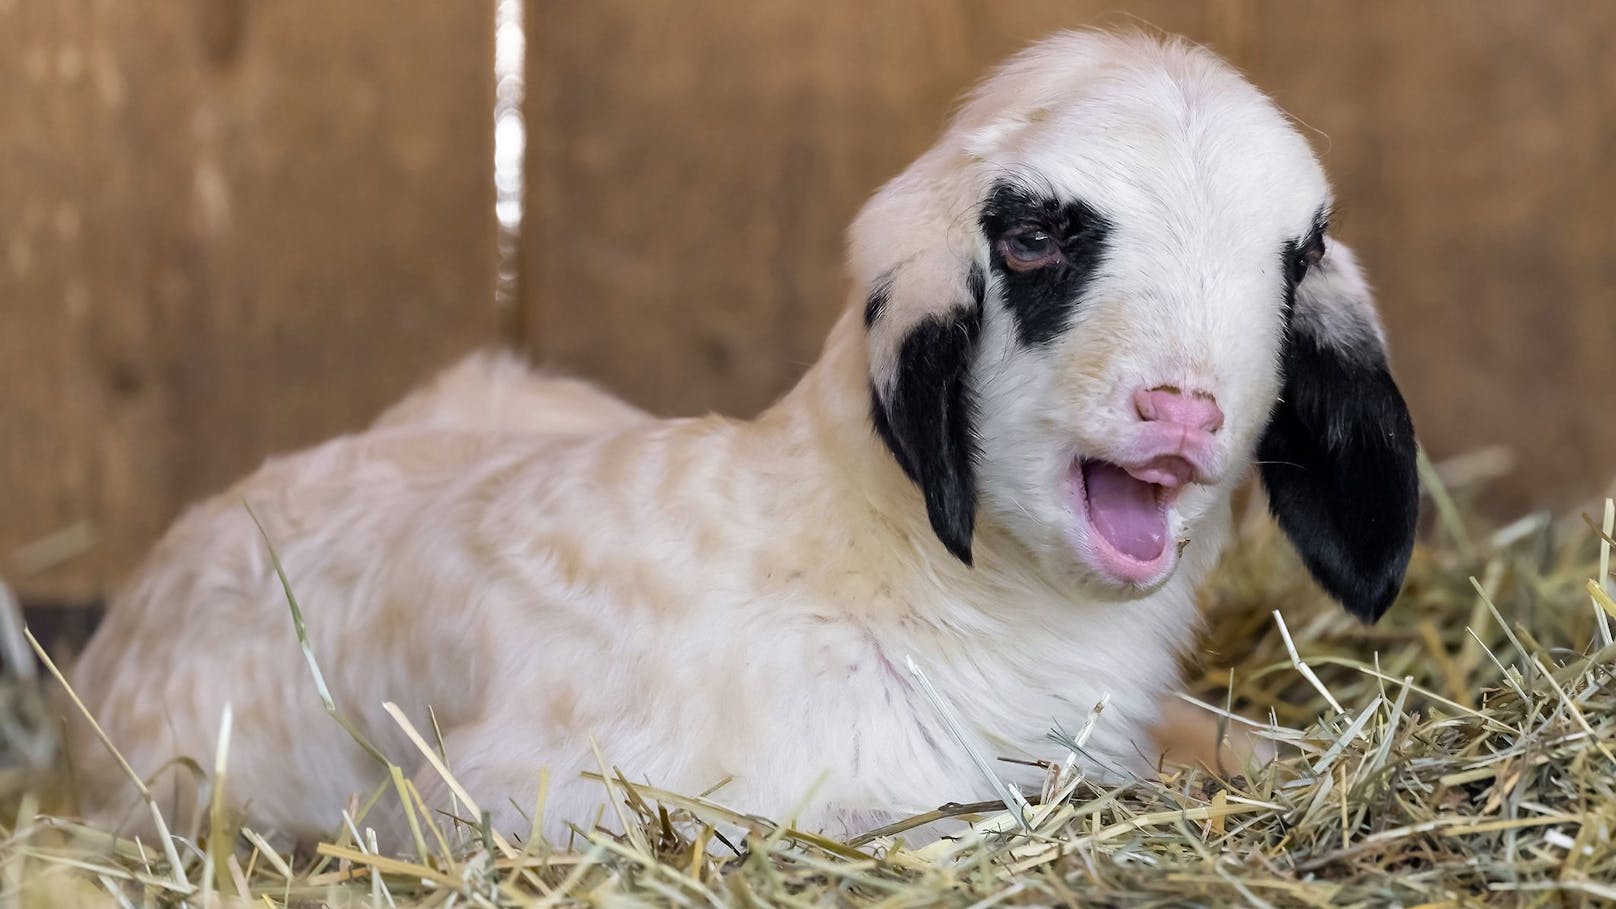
1085 302
1141 243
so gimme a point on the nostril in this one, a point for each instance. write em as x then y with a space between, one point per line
1167 404
1144 404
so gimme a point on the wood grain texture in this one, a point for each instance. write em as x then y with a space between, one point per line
230 229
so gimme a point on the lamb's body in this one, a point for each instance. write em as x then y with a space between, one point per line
1075 322
536 591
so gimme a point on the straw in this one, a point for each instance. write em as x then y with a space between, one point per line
1459 753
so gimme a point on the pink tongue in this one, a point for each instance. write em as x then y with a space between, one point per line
1125 511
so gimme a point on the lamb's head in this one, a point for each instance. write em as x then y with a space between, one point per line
1106 292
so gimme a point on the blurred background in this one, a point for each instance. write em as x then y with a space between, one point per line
233 228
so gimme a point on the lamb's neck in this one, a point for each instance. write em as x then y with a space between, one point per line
826 419
854 507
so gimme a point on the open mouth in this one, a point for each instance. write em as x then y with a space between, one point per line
1127 511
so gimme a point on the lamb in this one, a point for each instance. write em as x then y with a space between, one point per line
1075 322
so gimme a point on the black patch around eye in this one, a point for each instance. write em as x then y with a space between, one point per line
876 303
1302 254
1298 257
1042 300
1292 275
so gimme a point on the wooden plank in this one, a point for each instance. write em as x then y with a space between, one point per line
69 271
230 229
693 166
1474 148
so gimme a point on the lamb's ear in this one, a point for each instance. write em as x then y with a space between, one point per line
1338 455
919 256
921 399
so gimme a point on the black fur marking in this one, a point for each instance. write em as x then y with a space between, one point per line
876 303
928 419
1042 301
1297 257
883 429
1287 269
1338 462
977 283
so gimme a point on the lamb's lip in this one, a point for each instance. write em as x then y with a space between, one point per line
1097 551
1168 456
1168 471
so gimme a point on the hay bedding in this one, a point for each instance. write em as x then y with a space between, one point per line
1461 753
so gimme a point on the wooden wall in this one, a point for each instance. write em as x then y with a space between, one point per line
227 229
231 228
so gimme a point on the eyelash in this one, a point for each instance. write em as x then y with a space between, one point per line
1306 258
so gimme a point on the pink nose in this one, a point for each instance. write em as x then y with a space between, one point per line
1166 404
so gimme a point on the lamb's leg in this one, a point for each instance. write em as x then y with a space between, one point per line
1187 735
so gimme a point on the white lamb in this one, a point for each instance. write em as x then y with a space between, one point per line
1075 322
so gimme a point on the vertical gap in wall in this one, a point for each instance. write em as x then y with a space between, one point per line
510 147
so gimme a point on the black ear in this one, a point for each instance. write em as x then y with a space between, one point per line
1338 456
926 412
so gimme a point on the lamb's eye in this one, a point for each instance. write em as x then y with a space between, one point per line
1028 249
1306 258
